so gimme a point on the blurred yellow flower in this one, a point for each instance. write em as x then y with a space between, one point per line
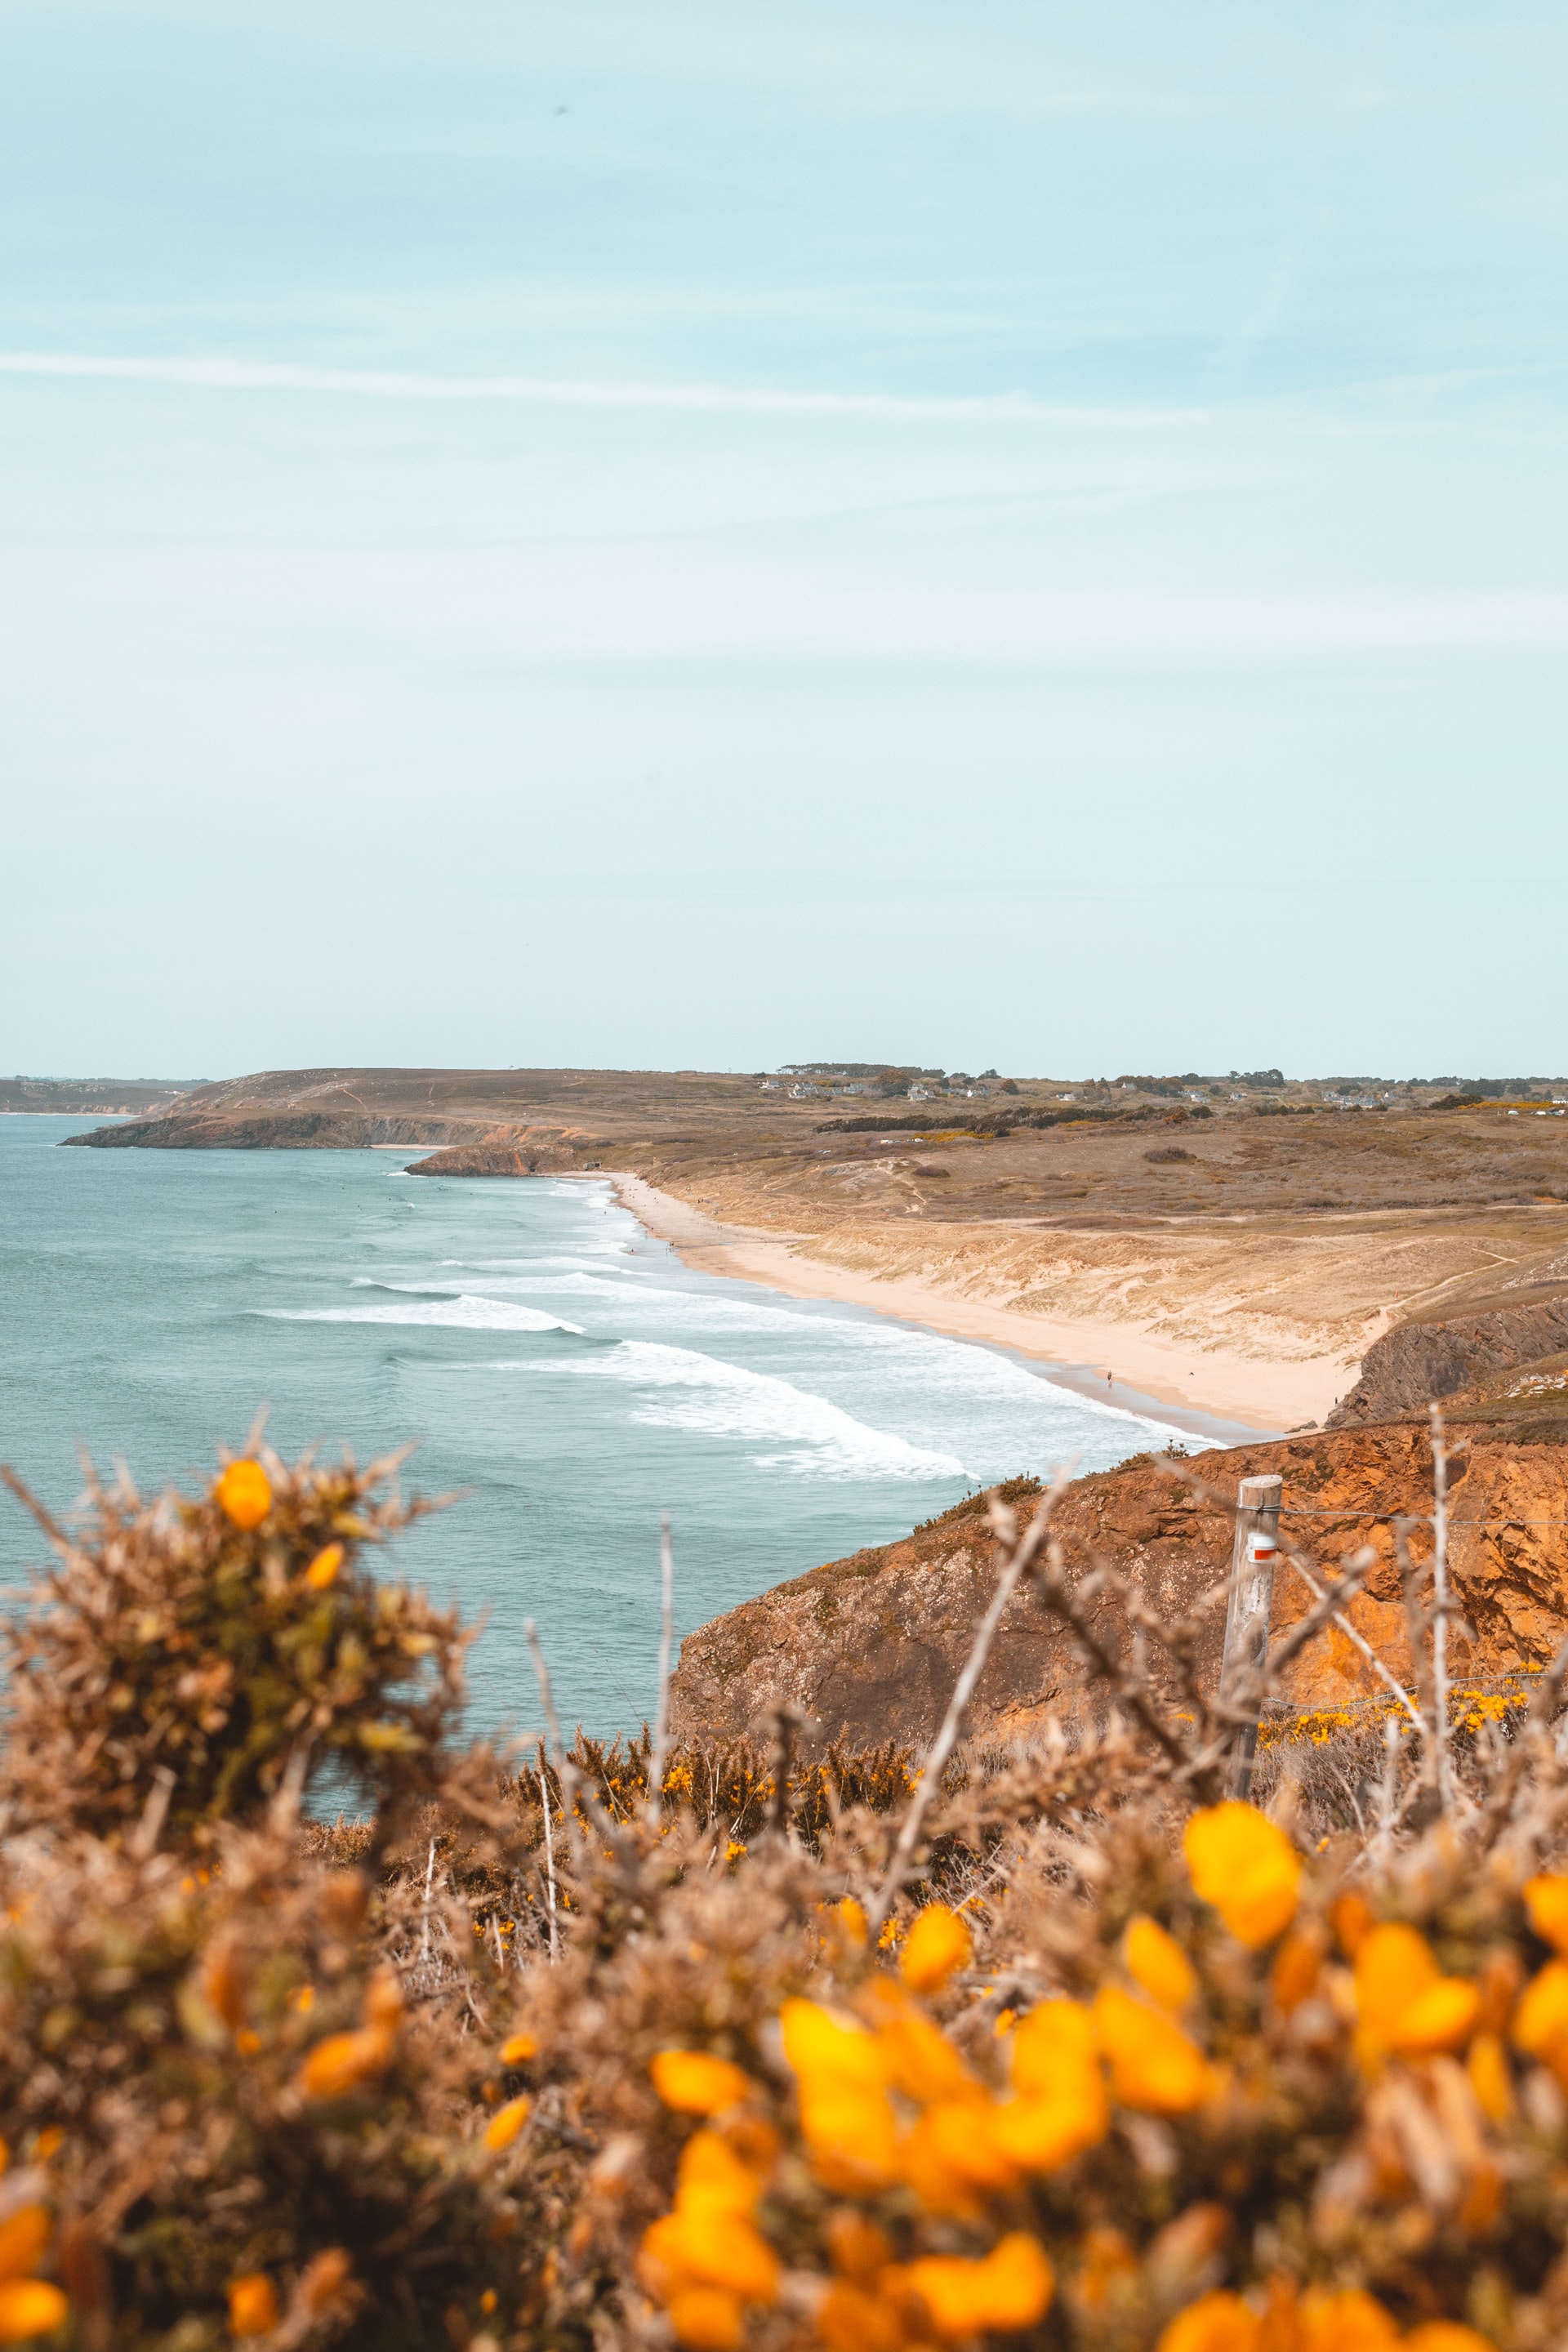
506 2123
1540 2020
252 2305
921 2061
1297 1964
30 2308
852 1919
1246 1867
1404 2001
1487 2067
1155 1959
1010 2289
706 2319
845 2115
1039 2134
852 2134
1446 2336
1546 1900
517 2049
952 2146
1055 2039
818 2043
708 2244
323 1569
709 2168
1348 2322
24 2236
244 1495
344 2060
1154 2065
694 2083
853 2319
938 1943
1215 2323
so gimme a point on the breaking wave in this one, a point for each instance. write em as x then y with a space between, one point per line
462 1313
687 1390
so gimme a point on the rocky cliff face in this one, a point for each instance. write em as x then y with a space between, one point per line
466 1146
269 1131
525 1151
1418 1361
871 1646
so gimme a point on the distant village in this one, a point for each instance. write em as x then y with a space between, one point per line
1258 1089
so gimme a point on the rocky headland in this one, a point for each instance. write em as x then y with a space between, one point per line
868 1648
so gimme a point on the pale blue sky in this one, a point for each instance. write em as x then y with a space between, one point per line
703 534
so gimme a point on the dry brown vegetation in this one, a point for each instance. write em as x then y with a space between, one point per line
1053 2045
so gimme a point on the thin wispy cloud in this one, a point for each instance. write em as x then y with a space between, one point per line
223 374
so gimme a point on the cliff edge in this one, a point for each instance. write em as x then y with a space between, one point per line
870 1647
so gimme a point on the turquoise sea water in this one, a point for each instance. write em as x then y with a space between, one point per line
555 1363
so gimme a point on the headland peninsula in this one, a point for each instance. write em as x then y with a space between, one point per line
1279 1254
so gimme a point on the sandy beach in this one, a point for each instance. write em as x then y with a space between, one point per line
1215 1394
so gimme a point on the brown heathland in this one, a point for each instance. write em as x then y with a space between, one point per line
1239 1256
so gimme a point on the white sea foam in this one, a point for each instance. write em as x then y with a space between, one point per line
701 1394
588 1259
462 1313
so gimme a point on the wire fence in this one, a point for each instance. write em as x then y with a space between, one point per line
1414 1519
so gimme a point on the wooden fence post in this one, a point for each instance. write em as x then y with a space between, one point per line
1247 1617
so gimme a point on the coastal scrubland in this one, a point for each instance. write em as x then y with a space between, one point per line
1230 1248
1058 2043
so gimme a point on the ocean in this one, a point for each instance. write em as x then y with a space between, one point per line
561 1372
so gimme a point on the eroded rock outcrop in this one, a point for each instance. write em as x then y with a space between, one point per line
1418 1361
869 1646
304 1130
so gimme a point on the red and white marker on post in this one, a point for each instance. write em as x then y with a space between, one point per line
1247 1614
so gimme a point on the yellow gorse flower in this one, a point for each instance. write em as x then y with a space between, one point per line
344 2062
1246 1867
1215 2323
1540 2020
938 1944
847 2120
322 1572
707 2259
694 2083
1324 2321
1060 2105
244 1495
1154 2066
23 2240
1404 2001
1009 2289
506 2123
1155 1959
30 2308
252 2305
1546 1900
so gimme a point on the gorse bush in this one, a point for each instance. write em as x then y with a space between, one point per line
751 2047
185 1656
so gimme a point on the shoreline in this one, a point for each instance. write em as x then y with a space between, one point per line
1156 1381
